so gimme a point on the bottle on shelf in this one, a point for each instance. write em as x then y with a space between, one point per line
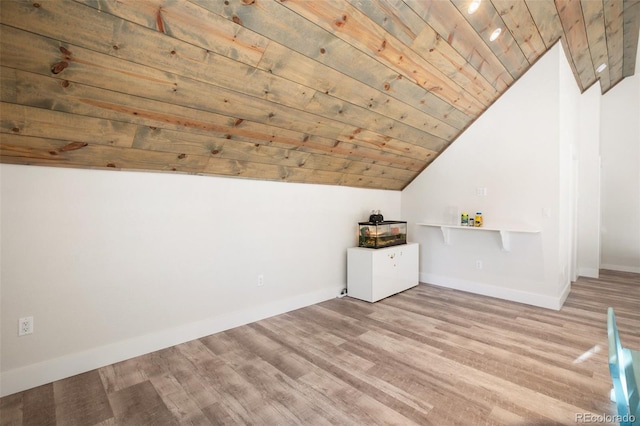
478 219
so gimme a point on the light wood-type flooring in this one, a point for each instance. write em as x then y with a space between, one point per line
428 356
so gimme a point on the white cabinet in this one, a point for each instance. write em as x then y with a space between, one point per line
373 274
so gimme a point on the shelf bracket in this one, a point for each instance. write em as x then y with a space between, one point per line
505 236
446 235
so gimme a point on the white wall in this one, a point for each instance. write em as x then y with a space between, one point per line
116 264
620 150
519 150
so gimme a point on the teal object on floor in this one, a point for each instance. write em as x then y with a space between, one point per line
624 366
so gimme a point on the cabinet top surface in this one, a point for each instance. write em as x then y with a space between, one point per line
373 250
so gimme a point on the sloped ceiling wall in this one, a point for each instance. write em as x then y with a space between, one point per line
346 92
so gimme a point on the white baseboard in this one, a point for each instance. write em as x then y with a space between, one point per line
33 375
535 299
589 272
621 268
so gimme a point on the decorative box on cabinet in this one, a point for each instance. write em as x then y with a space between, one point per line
375 274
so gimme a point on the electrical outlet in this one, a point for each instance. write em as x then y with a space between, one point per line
478 264
260 280
25 326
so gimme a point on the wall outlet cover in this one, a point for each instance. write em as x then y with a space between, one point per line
25 326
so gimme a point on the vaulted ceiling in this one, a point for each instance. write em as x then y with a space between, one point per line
346 92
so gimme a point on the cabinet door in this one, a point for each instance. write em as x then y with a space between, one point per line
385 274
407 261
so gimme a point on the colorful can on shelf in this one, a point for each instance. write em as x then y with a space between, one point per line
464 219
478 219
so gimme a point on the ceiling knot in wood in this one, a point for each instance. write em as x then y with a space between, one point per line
65 52
58 67
73 146
159 21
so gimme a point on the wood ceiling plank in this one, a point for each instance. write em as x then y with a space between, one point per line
396 134
631 27
447 21
61 95
370 182
190 143
399 20
593 12
358 168
277 23
19 149
575 34
545 16
294 66
244 169
485 20
394 16
185 21
440 53
8 91
520 23
37 122
352 26
615 38
451 26
366 138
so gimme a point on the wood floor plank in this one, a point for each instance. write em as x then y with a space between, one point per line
39 406
11 409
81 400
122 375
427 356
140 405
183 407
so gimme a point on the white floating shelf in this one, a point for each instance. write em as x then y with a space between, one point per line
505 232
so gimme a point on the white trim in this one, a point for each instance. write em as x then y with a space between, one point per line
520 296
589 272
621 268
33 375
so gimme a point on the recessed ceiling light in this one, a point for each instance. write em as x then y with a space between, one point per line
475 4
495 34
601 67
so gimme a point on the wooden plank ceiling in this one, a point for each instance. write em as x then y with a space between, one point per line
346 92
